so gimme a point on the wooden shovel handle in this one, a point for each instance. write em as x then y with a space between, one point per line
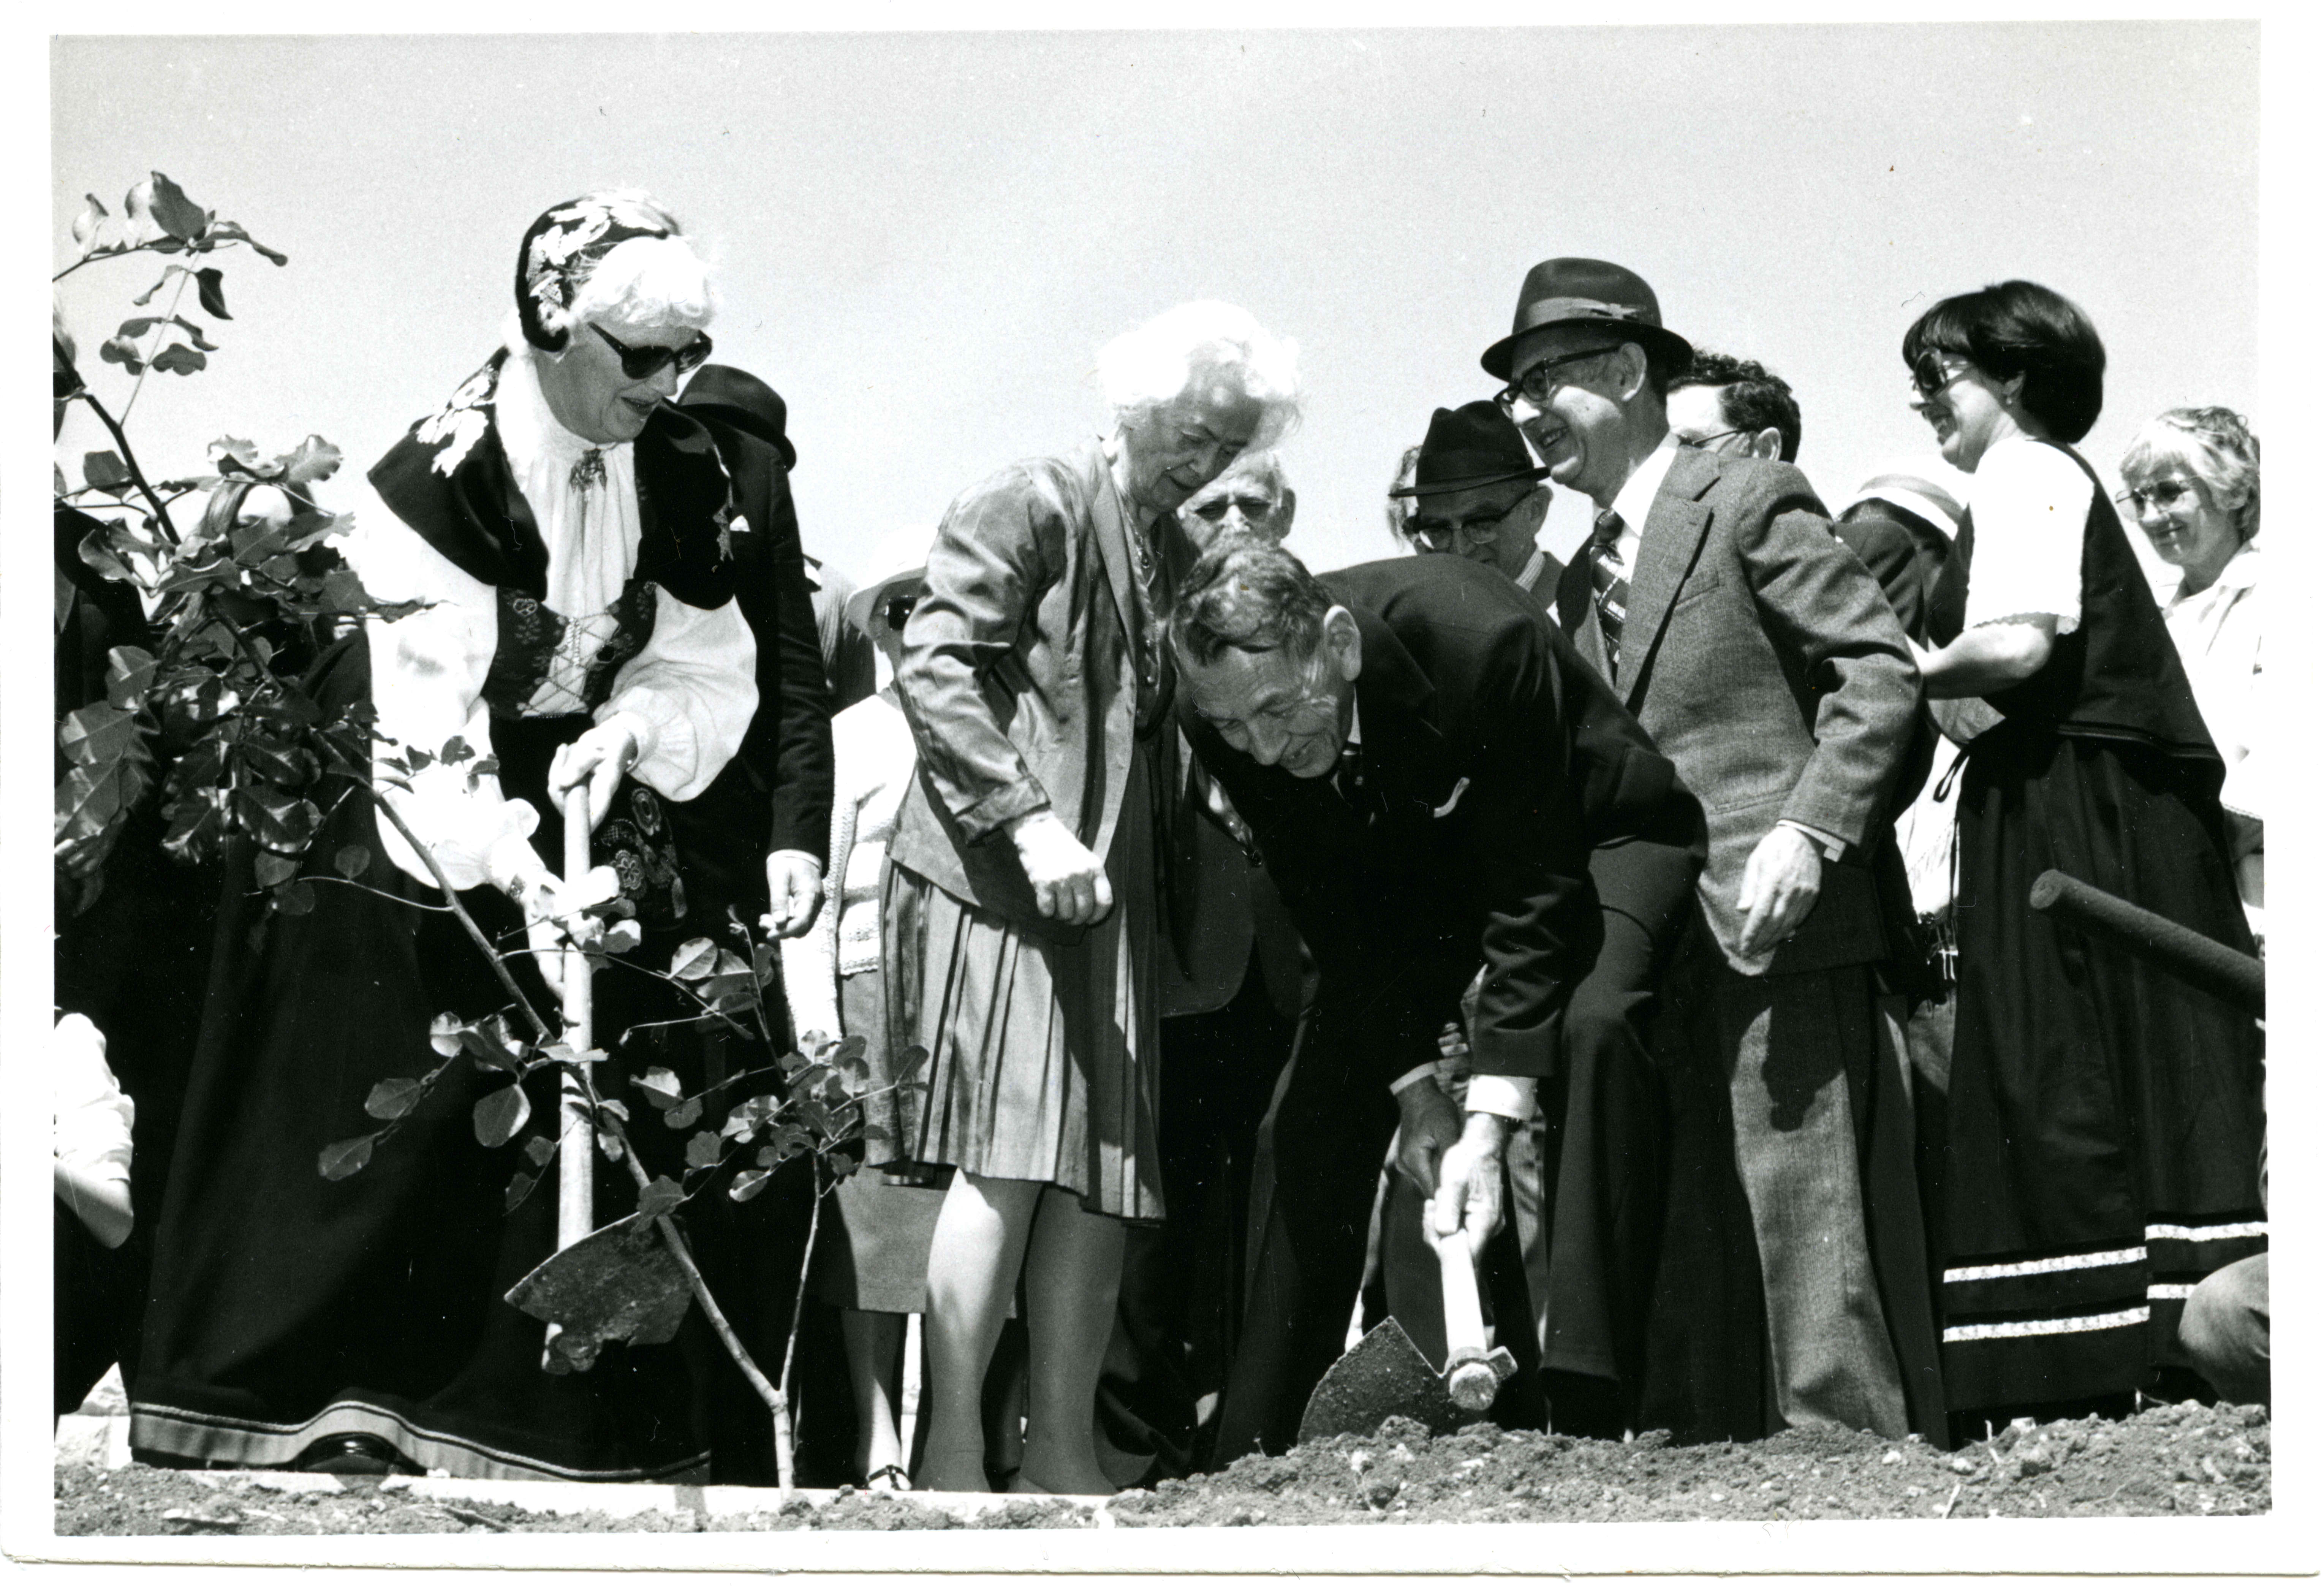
576 1215
1464 1316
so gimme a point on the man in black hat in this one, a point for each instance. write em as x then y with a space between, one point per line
1764 661
1475 493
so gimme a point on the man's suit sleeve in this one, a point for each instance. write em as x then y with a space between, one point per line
1827 617
794 700
1526 858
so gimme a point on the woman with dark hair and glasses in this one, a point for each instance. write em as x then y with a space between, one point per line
567 537
2104 1118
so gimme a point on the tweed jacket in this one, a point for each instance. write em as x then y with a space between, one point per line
1763 661
1020 679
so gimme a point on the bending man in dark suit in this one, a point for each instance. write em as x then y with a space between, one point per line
1586 1171
1401 738
1760 656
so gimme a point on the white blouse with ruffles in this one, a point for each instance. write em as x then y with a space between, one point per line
691 691
873 762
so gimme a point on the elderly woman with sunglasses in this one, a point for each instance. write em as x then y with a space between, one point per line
567 537
1023 893
2192 482
2104 1118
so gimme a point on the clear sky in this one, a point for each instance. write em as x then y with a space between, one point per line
922 238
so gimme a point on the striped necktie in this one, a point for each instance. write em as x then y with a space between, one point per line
1608 588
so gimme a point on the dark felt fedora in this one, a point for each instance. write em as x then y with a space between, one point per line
1590 291
1470 447
744 400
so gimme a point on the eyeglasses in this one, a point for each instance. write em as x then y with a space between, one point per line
2165 493
898 608
645 363
1442 534
1702 443
1536 382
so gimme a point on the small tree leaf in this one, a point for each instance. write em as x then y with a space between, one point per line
354 862
693 960
500 1114
702 1150
747 1183
176 214
177 358
623 935
87 223
298 898
615 1108
233 449
685 1115
610 1144
98 734
661 1087
211 284
105 469
392 1098
909 1063
519 1187
444 1030
659 1199
121 350
128 674
275 869
312 459
346 1158
539 1149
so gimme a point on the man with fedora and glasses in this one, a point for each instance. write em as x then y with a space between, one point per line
1585 1172
1762 659
1475 492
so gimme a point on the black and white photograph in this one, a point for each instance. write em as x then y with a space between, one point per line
1485 792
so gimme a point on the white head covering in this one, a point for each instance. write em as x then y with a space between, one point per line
1925 485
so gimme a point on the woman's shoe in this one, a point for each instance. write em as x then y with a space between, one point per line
888 1479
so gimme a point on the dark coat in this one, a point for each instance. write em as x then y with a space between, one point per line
1476 848
781 775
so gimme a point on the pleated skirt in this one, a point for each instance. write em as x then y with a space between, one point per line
1042 1056
2105 1119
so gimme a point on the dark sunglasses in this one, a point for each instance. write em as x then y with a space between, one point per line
645 363
898 608
1929 376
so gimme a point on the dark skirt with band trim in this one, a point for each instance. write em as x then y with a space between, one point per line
2105 1119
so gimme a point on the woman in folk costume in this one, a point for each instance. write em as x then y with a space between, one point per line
2104 1118
570 534
1019 917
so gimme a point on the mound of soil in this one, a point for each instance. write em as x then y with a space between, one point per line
2170 1459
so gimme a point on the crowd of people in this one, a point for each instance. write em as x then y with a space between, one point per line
1653 927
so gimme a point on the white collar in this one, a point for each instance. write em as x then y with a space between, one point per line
1533 564
2242 572
1636 497
530 432
1355 722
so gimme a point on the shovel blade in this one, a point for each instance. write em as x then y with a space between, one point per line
618 1283
1384 1375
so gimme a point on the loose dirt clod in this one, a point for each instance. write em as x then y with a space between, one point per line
2172 1459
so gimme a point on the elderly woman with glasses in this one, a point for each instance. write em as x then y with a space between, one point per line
1021 909
2104 1118
567 537
2192 479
